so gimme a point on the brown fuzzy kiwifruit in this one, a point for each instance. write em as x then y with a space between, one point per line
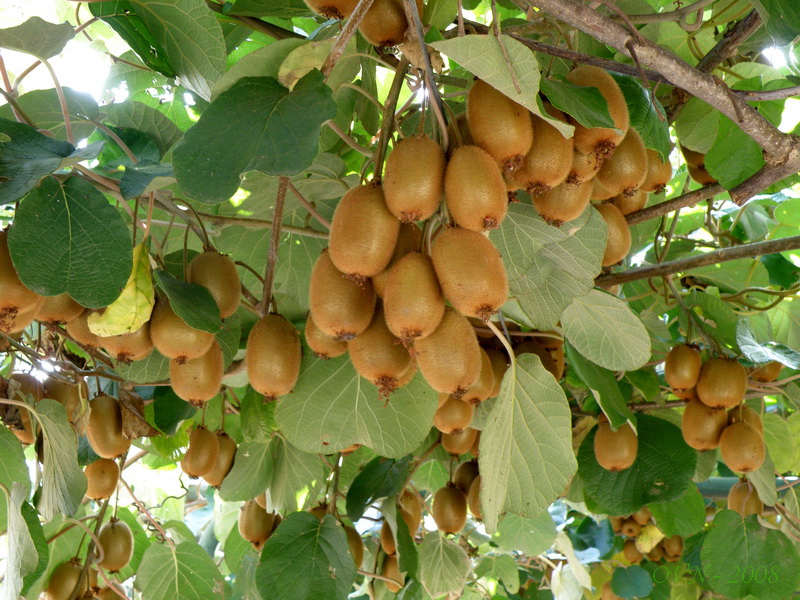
78 330
413 301
379 356
625 170
630 528
601 141
656 554
453 416
217 273
111 592
321 344
619 234
413 182
601 193
702 426
450 509
261 500
474 498
355 545
64 579
391 569
409 239
743 498
385 23
71 395
465 474
616 523
102 477
584 168
682 367
745 414
273 356
319 511
173 338
476 446
450 358
615 450
499 365
127 347
767 372
411 503
642 516
388 545
332 9
255 524
26 387
198 380
470 271
696 165
16 299
201 455
116 539
458 134
483 386
659 173
722 383
363 233
631 552
105 427
564 202
341 307
58 309
673 545
474 189
552 360
606 593
225 457
630 204
499 125
549 159
742 448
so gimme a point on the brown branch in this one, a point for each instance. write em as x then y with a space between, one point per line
348 31
673 15
763 96
274 242
278 33
683 201
261 224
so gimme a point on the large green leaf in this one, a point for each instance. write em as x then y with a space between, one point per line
44 109
780 442
526 458
284 9
155 367
12 467
734 157
382 477
697 125
684 516
181 572
647 115
23 558
135 115
292 470
264 62
763 352
499 567
520 534
37 37
88 251
631 582
444 566
251 472
782 19
191 302
584 103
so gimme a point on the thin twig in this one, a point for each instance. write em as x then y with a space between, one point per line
62 100
275 239
683 201
347 139
348 31
387 122
309 207
261 224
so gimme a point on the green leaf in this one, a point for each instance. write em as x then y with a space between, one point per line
183 572
251 472
647 118
23 558
662 471
697 125
710 308
763 479
12 467
306 559
548 266
606 331
520 534
288 123
169 410
191 302
764 352
631 582
499 567
406 546
526 457
145 177
443 565
257 417
440 13
292 470
736 547
37 37
135 115
85 235
734 157
284 9
43 108
782 19
684 516
780 442
263 62
155 367
43 549
585 104
646 381
785 319
381 478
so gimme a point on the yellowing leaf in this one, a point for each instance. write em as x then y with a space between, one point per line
301 60
648 538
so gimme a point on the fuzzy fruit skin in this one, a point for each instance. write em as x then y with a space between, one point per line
465 474
341 307
658 173
722 383
450 358
767 372
673 545
78 328
702 426
744 499
388 543
217 273
601 141
450 509
742 448
584 168
127 347
607 593
484 385
499 366
414 179
102 476
323 345
67 394
108 593
470 271
630 528
630 204
632 553
355 544
682 367
201 456
105 427
255 524
391 569
696 165
626 169
198 380
173 338
745 414
273 356
600 192
385 23
28 386
117 541
619 234
332 9
453 416
63 581
474 498
378 356
408 240
564 202
227 453
475 190
615 450
549 160
15 298
58 309
552 360
413 301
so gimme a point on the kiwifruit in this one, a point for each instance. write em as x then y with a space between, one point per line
658 173
323 345
385 23
744 499
341 307
474 189
564 202
363 232
624 171
673 545
474 498
413 301
201 455
767 372
273 356
722 383
459 443
682 367
198 380
255 524
109 593
261 500
470 271
618 243
552 360
499 125
630 528
411 504
173 338
616 523
549 159
64 580
388 545
453 416
332 9
499 366
656 554
630 204
702 426
607 593
15 297
584 168
355 544
601 141
319 511
742 448
667 556
391 569
631 552
27 385
615 450
217 273
116 539
601 193
71 395
745 414
409 239
58 309
102 477
127 347
475 450
227 453
696 165
642 516
465 474
458 134
78 329
413 183
483 386
378 356
450 509
105 427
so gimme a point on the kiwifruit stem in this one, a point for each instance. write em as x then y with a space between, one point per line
275 239
507 345
206 241
387 119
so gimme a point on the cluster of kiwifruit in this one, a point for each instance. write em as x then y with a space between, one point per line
630 526
384 25
209 455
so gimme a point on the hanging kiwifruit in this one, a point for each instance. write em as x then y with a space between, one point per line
342 308
742 447
78 329
584 168
658 173
225 457
450 509
702 426
379 356
321 344
355 544
15 298
261 500
615 450
767 372
744 499
127 347
58 309
105 427
111 592
722 383
470 271
385 23
601 141
619 234
745 414
499 365
173 338
450 358
411 504
607 593
102 477
198 380
642 516
630 204
413 301
273 356
656 554
474 498
682 369
332 9
408 240
465 474
64 580
625 170
413 183
116 539
453 416
217 273
630 528
391 569
201 455
27 388
673 545
255 524
474 189
483 386
388 544
696 165
600 193
564 202
71 395
631 552
549 160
